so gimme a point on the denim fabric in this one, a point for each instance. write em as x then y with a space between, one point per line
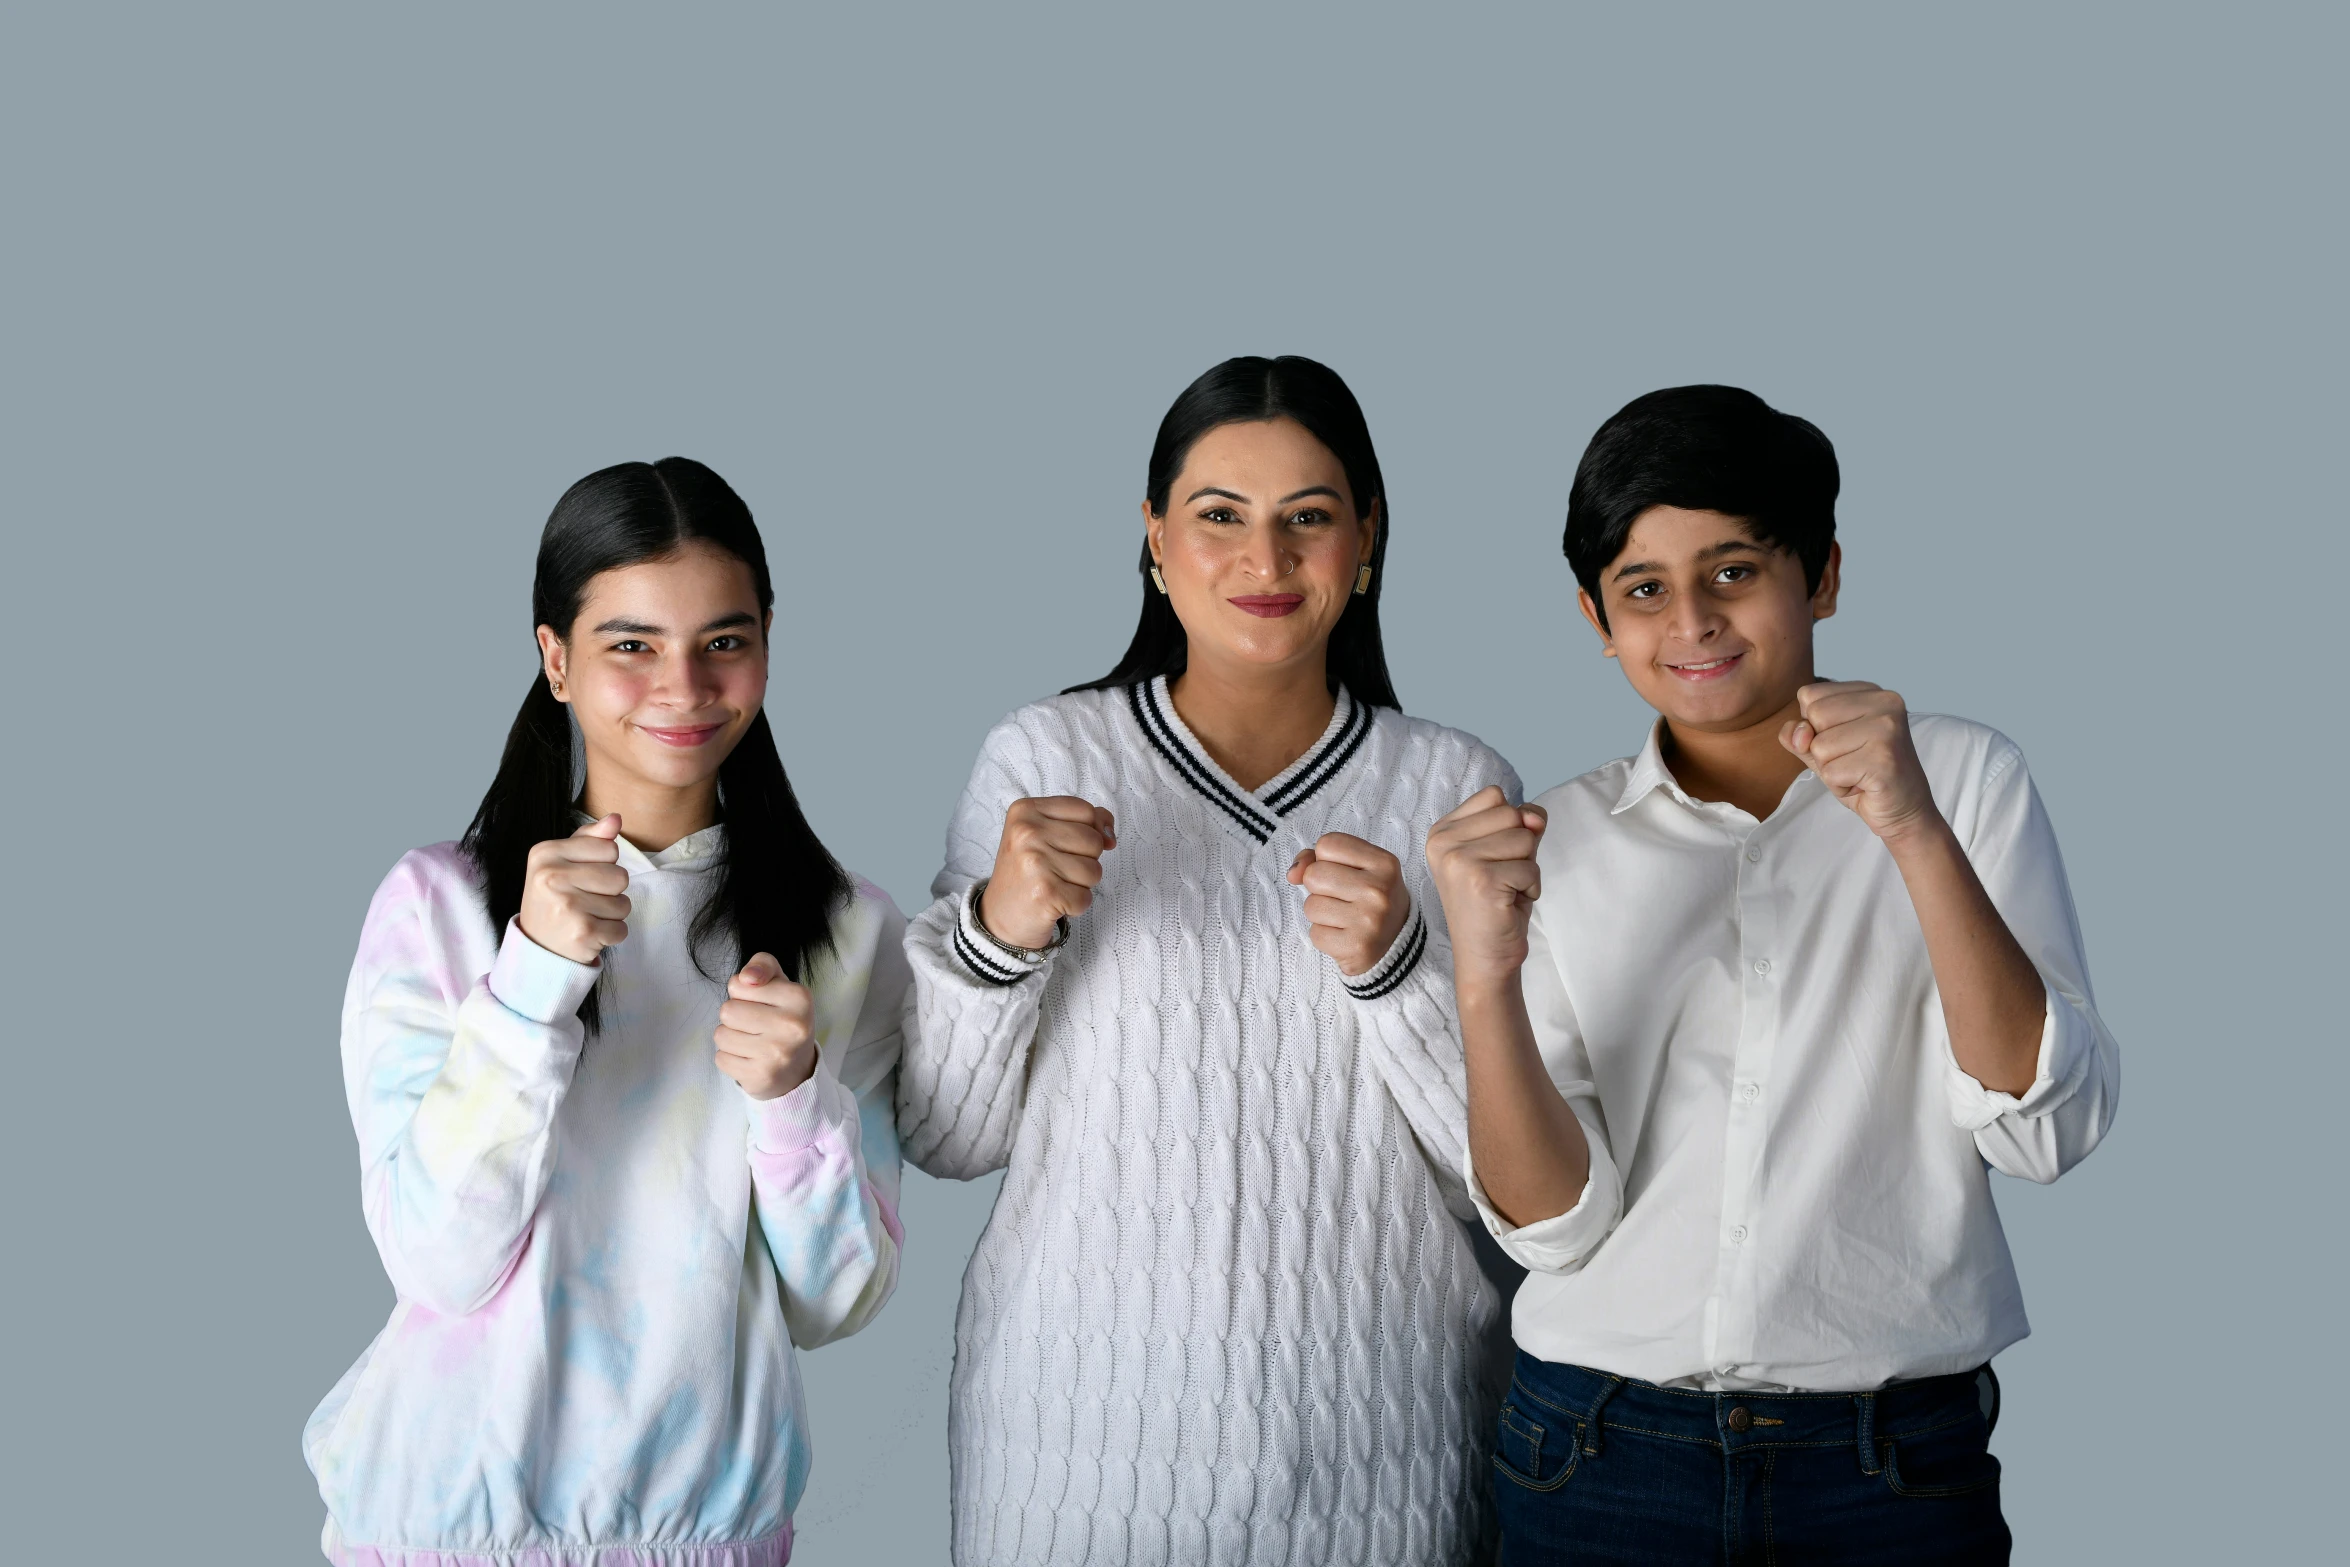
1592 1468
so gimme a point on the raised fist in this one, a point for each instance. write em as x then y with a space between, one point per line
766 1035
1355 899
574 893
1855 737
1046 868
1482 860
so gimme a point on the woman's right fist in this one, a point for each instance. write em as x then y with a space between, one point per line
1046 868
574 893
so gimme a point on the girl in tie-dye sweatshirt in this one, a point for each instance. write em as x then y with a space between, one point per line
622 1066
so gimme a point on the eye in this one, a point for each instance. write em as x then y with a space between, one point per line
1644 590
630 645
728 643
1312 516
1219 514
1734 574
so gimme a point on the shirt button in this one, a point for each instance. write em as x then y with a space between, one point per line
1737 1234
1753 855
1750 1092
1762 965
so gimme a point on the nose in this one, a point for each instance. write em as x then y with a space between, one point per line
1693 620
1266 558
686 681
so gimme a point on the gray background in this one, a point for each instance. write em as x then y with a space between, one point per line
310 314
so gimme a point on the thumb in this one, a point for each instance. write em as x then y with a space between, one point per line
1796 736
1297 867
1537 819
761 970
606 829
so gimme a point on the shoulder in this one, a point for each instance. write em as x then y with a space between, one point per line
1953 749
1452 758
428 914
1072 724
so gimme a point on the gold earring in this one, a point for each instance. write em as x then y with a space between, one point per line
1158 582
1363 580
555 689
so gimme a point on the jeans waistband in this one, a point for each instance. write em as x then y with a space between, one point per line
1598 1402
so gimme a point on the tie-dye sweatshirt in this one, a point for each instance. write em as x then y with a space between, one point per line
603 1250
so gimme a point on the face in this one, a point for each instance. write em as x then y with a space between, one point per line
664 668
1714 628
1260 544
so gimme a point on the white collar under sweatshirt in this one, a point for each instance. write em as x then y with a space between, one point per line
591 1358
1222 1312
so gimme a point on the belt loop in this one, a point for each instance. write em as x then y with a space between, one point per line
1865 1412
1591 1415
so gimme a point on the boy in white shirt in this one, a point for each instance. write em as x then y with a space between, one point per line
1749 1017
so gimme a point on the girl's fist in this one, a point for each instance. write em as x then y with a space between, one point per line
574 893
766 1035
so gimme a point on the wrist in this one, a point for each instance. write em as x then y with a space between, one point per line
1925 835
1486 989
1005 927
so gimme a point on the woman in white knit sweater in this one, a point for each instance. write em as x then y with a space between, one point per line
1184 982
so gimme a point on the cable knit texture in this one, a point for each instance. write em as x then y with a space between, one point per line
1225 1309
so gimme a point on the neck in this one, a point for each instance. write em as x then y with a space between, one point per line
1254 720
652 816
1746 767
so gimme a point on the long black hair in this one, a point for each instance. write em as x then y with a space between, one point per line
1241 391
777 886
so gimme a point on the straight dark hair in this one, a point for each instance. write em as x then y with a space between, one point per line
1704 448
776 886
1241 391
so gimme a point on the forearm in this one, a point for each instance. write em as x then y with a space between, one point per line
1994 1002
1525 1143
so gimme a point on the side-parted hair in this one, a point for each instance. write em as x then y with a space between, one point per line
1703 448
1243 391
776 887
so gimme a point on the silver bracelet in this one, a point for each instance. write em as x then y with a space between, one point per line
1025 954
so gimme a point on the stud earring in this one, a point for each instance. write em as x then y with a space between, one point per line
1158 582
1363 581
555 689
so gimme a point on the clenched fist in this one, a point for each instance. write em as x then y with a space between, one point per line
1355 899
1046 867
574 893
1482 860
1855 737
766 1030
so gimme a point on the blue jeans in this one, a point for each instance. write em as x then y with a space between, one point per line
1592 1468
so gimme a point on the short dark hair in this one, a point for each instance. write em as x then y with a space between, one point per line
1704 448
1243 391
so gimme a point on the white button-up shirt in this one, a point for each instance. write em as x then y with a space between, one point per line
1789 1173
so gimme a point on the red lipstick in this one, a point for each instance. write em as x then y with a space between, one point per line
1269 606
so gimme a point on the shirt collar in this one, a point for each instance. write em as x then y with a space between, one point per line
695 851
1648 772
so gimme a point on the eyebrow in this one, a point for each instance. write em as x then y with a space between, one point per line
1313 489
637 628
1209 489
1712 552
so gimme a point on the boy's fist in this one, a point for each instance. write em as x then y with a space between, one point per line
1046 867
1855 737
574 893
766 1035
1482 859
1355 899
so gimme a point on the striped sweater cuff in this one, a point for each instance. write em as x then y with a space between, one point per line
989 960
1392 970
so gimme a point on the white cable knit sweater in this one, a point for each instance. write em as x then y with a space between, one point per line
1225 1310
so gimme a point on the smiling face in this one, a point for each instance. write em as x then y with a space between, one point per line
1714 629
664 668
1260 544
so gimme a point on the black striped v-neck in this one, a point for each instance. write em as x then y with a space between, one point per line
1258 815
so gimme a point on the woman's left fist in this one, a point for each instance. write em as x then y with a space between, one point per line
766 1035
1355 899
1855 737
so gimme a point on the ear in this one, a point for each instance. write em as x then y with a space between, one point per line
1590 608
554 658
1369 530
1154 530
1823 598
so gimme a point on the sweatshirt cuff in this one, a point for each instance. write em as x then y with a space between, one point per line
2066 1043
532 982
790 1122
987 959
1403 958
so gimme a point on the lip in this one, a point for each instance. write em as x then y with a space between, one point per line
1267 606
684 739
1706 669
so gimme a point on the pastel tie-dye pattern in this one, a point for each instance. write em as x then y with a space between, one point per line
591 1357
